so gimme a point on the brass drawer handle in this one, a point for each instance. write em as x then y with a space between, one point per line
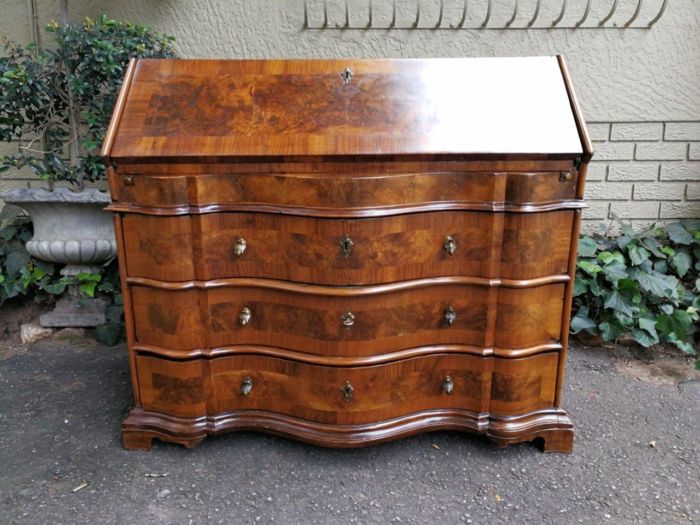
564 176
348 319
448 385
450 315
450 245
347 390
346 244
245 315
239 247
246 386
129 180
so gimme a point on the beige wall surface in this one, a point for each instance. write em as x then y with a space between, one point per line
639 88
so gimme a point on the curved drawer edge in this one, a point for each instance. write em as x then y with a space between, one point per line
293 355
346 291
141 426
382 211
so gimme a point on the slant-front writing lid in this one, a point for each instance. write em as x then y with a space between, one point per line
225 109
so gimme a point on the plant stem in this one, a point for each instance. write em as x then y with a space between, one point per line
73 111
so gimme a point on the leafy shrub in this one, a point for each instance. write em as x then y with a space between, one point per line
640 283
24 277
59 100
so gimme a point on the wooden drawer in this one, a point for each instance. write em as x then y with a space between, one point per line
329 194
347 395
348 251
346 322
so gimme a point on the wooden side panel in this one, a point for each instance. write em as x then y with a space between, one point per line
536 244
523 385
390 249
172 387
526 317
159 247
169 319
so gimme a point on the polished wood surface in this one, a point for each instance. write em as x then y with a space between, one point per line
305 249
347 194
382 322
347 264
239 108
315 393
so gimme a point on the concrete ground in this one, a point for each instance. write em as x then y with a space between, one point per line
62 400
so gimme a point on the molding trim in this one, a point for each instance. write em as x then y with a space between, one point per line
552 425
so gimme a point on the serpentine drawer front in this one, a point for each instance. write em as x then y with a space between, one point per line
345 251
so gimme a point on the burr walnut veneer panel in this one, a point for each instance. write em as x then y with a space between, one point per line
381 250
345 251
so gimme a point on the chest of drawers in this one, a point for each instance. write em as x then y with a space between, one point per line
345 251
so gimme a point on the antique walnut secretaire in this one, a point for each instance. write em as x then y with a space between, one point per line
347 251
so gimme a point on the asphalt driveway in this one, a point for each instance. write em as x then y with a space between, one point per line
62 400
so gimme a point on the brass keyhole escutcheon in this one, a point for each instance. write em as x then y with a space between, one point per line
346 244
450 315
448 385
348 319
346 75
450 245
239 247
244 316
246 386
347 390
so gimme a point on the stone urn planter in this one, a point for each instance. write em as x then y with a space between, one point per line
70 228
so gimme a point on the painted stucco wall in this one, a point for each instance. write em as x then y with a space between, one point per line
639 89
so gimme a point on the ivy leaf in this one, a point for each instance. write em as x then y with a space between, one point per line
614 272
580 285
653 245
611 330
615 301
88 288
649 326
663 286
595 288
637 254
590 268
678 234
55 288
15 261
687 348
586 247
631 287
675 326
581 321
661 266
682 263
643 338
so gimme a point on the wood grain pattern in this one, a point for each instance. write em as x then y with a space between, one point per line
223 109
202 154
384 250
380 392
551 426
331 193
383 322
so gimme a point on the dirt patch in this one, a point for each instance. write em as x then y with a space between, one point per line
12 316
662 364
669 371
